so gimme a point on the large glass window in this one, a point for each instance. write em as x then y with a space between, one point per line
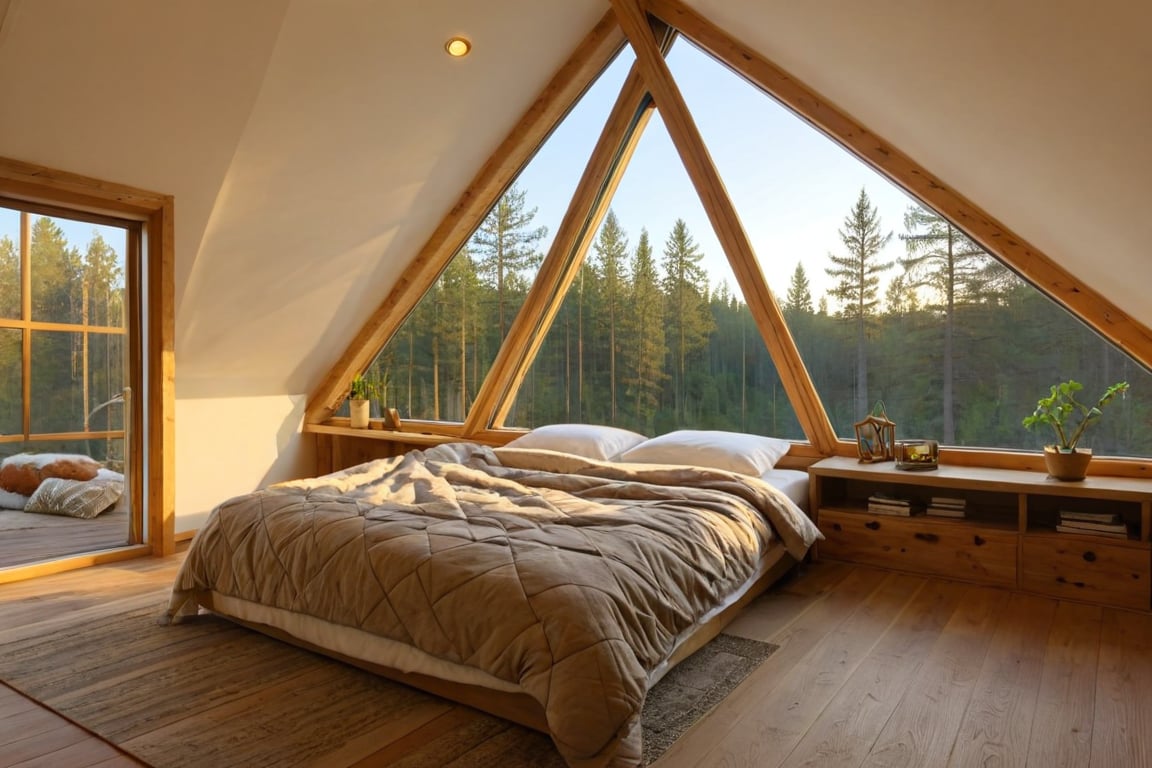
653 334
436 361
887 300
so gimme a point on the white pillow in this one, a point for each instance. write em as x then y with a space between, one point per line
588 440
74 498
731 451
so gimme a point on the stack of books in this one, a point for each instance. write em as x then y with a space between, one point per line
946 506
1093 523
883 504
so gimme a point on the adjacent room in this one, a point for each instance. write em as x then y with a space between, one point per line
597 383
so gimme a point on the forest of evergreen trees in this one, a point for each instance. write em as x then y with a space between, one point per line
69 286
955 345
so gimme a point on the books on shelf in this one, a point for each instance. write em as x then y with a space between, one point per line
938 511
1066 528
1093 523
947 506
1089 517
883 504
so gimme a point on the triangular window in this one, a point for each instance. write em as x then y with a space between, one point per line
437 360
653 335
887 301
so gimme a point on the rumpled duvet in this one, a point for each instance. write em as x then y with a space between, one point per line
568 577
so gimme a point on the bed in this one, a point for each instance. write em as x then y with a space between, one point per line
549 588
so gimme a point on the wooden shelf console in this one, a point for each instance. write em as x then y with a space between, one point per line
1008 537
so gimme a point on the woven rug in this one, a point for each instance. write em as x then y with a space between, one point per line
212 693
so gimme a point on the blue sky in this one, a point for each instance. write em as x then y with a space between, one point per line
79 233
791 185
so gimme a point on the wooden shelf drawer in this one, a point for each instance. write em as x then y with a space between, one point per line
1078 568
942 548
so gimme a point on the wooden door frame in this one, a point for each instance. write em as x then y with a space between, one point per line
154 454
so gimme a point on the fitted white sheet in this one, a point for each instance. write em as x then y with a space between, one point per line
793 482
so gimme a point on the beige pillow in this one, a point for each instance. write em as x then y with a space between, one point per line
74 498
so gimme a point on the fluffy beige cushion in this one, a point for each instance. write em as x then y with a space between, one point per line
23 472
74 498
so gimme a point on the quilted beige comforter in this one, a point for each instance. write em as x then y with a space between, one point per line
571 583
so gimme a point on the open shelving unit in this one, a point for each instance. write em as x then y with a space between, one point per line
1008 537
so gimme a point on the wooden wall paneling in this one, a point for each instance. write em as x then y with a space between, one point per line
1055 281
565 87
581 221
729 230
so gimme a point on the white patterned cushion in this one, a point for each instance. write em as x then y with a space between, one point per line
74 498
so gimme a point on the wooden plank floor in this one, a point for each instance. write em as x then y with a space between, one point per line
31 538
874 669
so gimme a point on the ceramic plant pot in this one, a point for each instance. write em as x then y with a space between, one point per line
1072 465
358 412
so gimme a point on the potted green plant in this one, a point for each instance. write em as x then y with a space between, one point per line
1069 418
359 402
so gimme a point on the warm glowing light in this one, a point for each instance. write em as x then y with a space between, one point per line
458 46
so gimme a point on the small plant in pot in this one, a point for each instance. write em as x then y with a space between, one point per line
1069 418
358 402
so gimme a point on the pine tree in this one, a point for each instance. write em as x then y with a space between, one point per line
104 280
686 313
644 348
858 273
611 249
11 341
9 279
955 269
799 298
506 253
454 329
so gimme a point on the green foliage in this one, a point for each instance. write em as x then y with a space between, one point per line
505 245
799 299
611 355
1067 416
858 274
72 370
359 388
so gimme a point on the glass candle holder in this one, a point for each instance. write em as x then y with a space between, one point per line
917 454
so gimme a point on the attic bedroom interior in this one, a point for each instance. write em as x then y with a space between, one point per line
597 383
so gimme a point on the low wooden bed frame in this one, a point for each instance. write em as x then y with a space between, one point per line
520 707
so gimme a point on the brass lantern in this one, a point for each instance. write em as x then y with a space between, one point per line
876 437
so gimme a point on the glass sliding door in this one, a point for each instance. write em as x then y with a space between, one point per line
66 303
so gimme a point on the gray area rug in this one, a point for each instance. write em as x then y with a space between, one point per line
211 693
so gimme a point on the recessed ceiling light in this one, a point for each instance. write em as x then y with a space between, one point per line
458 46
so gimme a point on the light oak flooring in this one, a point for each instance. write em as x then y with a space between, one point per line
874 669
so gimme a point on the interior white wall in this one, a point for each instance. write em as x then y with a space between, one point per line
229 446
